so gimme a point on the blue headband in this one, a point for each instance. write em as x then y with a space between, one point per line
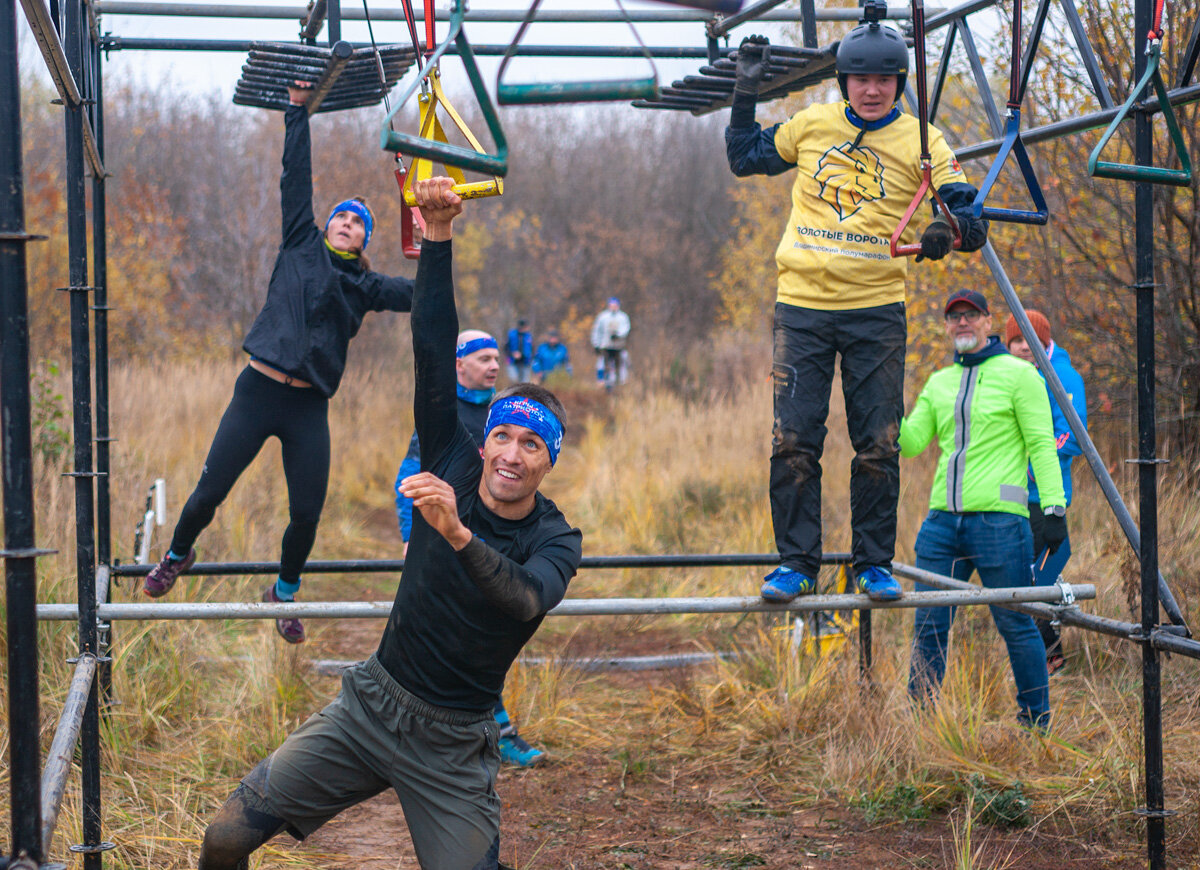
467 348
354 207
523 411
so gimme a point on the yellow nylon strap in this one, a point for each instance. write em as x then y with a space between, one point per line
431 128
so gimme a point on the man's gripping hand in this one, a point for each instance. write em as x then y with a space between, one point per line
434 498
439 205
753 57
936 241
1054 532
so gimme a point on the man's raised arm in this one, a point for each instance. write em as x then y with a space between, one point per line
435 321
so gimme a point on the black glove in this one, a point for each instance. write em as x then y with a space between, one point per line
753 57
1054 532
936 241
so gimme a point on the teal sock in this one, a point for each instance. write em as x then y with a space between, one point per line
286 591
171 555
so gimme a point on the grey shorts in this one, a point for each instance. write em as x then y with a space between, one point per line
375 734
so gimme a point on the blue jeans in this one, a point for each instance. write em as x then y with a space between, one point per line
1000 547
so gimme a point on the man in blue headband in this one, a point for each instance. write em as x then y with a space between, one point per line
489 556
476 366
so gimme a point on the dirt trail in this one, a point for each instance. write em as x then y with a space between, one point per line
587 810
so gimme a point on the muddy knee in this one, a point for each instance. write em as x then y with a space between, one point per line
239 828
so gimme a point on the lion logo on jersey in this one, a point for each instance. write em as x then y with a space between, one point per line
849 177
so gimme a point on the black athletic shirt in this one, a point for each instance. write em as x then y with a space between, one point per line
316 300
460 619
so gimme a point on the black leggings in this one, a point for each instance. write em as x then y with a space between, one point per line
260 408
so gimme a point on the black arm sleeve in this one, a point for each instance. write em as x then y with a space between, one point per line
959 197
751 151
295 184
523 592
434 330
392 294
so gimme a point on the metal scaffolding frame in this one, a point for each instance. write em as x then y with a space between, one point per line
69 38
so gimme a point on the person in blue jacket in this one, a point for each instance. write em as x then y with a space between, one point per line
476 366
550 356
518 348
1048 567
320 290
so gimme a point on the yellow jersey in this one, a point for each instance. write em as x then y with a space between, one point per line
846 203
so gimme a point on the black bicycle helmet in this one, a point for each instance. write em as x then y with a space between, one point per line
873 48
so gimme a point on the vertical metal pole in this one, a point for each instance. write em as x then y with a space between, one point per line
1147 468
81 400
333 21
103 463
864 646
100 280
16 444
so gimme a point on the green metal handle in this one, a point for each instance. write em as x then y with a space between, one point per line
1133 172
452 155
576 92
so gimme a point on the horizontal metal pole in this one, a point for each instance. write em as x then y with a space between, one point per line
492 16
570 607
593 664
1178 97
941 19
121 43
387 566
62 750
1173 643
1066 614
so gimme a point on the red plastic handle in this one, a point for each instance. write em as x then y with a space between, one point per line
899 250
410 220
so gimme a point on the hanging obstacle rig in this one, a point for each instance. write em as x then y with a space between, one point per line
75 54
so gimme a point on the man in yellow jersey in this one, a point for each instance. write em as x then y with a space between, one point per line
841 291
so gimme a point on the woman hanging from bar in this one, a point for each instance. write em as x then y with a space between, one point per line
320 290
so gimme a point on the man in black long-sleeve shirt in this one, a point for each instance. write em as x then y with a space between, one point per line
488 557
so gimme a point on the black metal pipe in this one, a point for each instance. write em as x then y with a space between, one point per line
1143 147
120 43
379 566
81 395
16 445
1167 642
104 637
333 21
865 651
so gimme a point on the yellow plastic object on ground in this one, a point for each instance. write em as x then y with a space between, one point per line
825 632
431 128
828 632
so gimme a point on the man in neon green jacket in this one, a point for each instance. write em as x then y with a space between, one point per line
991 418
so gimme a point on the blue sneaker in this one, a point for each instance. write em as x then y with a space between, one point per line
515 751
879 584
784 584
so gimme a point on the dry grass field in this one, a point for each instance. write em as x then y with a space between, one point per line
768 759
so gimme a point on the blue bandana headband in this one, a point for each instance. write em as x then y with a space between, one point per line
467 348
523 411
354 207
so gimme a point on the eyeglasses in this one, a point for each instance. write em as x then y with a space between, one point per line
970 315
